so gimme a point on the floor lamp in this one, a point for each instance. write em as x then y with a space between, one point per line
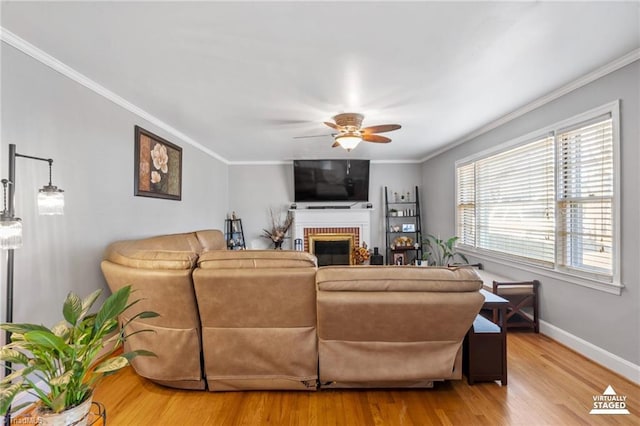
50 202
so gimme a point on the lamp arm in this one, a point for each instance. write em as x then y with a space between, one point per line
10 212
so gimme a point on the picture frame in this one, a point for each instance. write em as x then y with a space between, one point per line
158 166
408 227
398 258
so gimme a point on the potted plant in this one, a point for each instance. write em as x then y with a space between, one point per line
61 366
279 228
439 252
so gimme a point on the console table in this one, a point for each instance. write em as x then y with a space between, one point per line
485 345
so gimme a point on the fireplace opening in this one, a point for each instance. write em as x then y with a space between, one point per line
332 249
332 252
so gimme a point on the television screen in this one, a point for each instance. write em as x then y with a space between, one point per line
331 180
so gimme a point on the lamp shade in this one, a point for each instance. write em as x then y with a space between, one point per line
10 233
51 201
349 141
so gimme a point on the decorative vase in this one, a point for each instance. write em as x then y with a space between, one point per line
277 245
76 416
376 257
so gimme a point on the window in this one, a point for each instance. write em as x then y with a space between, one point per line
547 200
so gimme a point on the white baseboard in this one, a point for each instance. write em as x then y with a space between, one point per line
595 353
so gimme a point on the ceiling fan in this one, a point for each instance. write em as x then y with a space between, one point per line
351 133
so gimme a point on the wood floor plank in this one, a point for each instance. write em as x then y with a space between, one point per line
549 384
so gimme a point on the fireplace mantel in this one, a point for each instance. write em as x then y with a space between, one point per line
332 218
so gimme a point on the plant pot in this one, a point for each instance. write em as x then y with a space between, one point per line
76 416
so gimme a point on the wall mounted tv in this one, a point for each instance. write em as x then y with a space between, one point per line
331 180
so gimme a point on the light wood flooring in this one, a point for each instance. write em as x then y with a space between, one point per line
548 385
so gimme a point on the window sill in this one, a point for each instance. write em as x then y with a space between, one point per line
611 288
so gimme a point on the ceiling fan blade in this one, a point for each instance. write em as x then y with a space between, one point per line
335 145
332 125
313 136
376 138
380 129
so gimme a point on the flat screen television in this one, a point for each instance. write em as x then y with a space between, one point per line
331 180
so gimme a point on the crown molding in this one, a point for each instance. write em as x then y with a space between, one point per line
285 162
27 48
612 66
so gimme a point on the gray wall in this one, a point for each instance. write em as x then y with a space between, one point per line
91 142
253 189
608 321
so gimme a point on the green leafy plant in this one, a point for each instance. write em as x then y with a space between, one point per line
439 252
70 358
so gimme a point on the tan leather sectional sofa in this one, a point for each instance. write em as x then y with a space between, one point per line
270 319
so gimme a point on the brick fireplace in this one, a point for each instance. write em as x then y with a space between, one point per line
326 225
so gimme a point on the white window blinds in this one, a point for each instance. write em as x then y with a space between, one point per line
515 202
466 199
585 197
550 201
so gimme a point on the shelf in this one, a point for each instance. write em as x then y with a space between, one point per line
403 212
404 248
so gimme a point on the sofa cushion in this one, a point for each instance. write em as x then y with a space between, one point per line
176 251
254 259
397 278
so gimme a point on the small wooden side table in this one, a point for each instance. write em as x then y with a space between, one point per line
485 345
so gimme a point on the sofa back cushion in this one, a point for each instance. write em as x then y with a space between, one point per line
378 325
256 259
393 278
258 314
176 251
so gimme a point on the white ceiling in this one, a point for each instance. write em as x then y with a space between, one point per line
243 79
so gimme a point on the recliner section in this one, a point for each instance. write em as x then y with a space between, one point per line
270 319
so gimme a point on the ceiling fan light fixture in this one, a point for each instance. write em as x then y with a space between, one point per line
349 140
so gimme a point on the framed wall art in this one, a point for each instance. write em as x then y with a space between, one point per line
408 227
158 166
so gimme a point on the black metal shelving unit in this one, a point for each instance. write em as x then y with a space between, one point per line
234 234
402 219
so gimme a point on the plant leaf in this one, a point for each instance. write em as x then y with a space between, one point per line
22 328
112 364
88 302
14 356
71 308
7 395
112 307
63 379
140 352
46 339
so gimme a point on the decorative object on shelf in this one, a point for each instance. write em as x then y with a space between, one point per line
376 257
395 228
158 166
393 212
398 258
361 254
438 252
70 359
403 241
298 244
408 227
279 228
